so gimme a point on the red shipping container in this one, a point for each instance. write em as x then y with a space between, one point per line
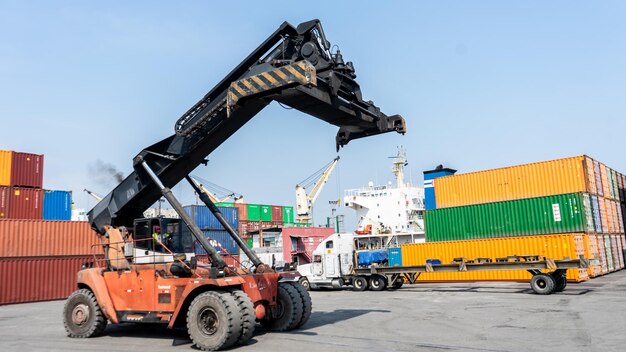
305 239
243 211
25 203
4 202
27 170
277 213
36 238
31 279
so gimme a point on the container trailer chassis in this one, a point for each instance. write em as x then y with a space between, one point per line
548 275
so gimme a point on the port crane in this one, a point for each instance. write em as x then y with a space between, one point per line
305 201
218 304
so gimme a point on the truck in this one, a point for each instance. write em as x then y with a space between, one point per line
347 260
140 279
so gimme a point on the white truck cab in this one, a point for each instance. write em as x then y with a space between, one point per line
332 262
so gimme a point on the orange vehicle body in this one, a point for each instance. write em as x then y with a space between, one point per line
147 293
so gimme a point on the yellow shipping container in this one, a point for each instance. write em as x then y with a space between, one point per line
550 246
592 252
569 175
5 167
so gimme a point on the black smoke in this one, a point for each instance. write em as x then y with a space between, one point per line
105 173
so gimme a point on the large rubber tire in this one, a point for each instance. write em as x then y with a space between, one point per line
248 315
307 304
542 284
82 315
397 284
290 309
214 320
560 283
305 283
378 283
360 283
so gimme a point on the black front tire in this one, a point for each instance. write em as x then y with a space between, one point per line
248 315
543 284
82 315
214 321
289 310
307 304
360 283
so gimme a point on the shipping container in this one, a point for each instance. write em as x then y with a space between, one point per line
395 256
615 251
605 181
609 175
591 175
24 238
516 182
620 217
31 279
6 157
608 251
225 204
277 213
602 251
25 203
243 211
27 170
564 213
57 205
599 184
300 242
620 187
185 242
266 213
595 211
615 185
623 252
591 252
549 246
254 212
288 215
603 215
620 251
5 196
205 219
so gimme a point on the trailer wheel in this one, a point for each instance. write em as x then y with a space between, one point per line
360 283
82 315
305 283
214 321
307 305
397 284
542 284
289 309
560 283
248 315
378 283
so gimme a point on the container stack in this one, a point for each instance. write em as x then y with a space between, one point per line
21 193
255 217
559 208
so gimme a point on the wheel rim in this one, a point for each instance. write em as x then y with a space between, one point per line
80 314
375 283
305 283
358 283
208 321
541 284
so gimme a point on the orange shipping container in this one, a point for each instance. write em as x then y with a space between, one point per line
605 181
5 167
26 238
549 246
620 251
569 175
592 252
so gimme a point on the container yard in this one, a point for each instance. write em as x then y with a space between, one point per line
473 197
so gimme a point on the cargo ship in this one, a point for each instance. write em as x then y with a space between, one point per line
389 215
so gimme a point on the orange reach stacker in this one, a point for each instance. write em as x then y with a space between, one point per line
140 280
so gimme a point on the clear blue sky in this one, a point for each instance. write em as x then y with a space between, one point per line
481 84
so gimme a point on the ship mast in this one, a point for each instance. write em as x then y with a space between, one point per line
398 166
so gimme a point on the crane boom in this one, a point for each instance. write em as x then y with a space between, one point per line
292 66
304 201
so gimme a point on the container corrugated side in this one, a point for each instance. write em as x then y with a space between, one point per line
266 213
620 217
205 219
605 181
564 213
615 250
5 197
602 251
591 252
608 250
622 240
598 172
609 175
549 246
254 212
288 215
25 203
516 182
595 211
615 185
31 279
221 241
27 170
6 157
620 251
57 205
23 238
591 175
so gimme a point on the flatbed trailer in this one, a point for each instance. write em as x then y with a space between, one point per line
379 278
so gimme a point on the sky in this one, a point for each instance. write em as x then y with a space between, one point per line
481 84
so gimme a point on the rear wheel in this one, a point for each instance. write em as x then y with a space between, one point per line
307 305
214 321
560 283
378 283
305 283
542 284
359 283
397 284
82 315
288 312
248 315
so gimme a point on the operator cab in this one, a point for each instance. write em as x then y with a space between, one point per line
154 240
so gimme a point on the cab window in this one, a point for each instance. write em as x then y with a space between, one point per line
329 244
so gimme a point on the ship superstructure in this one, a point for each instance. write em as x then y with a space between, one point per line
389 214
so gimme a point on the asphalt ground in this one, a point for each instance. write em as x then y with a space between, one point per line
484 316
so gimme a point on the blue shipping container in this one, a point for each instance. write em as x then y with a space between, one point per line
205 220
595 209
395 256
220 240
429 191
57 205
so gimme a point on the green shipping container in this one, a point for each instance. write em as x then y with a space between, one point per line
254 212
266 213
225 204
250 242
288 215
565 213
